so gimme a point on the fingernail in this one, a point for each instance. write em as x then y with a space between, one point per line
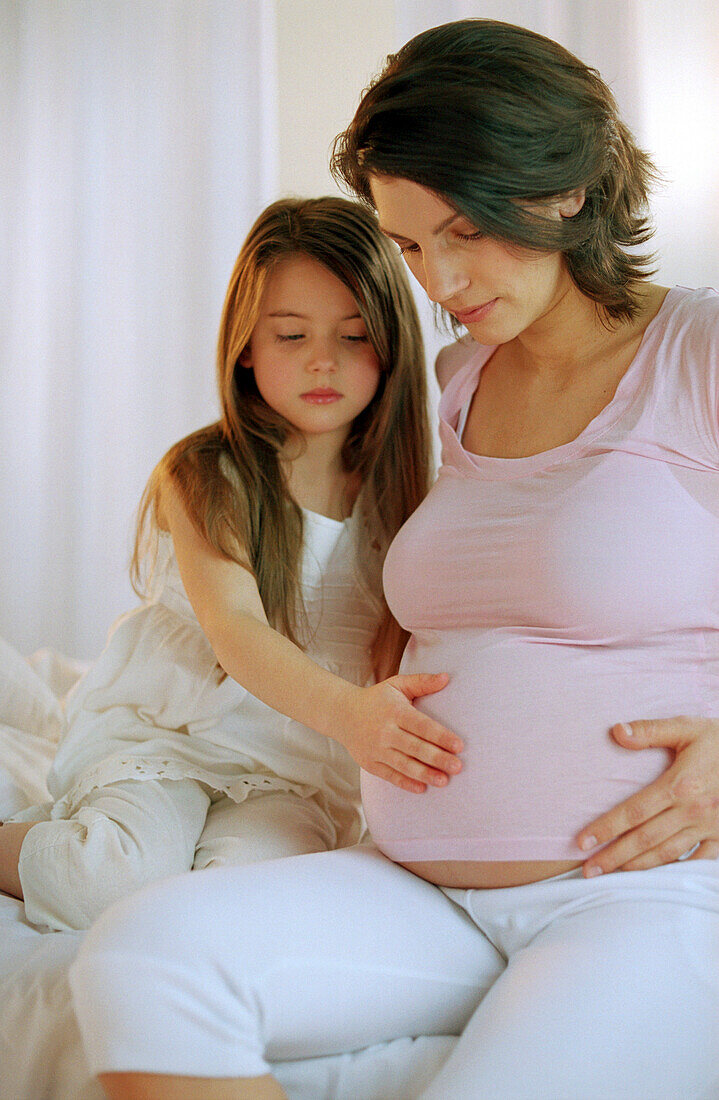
625 730
592 872
587 843
455 765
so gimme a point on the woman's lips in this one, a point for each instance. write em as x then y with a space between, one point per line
321 397
478 313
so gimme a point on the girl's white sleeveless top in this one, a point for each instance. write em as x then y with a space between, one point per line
155 705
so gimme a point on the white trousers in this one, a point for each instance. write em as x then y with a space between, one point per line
131 833
571 989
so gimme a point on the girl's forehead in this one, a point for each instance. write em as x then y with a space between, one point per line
301 284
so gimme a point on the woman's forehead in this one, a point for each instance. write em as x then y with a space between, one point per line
405 207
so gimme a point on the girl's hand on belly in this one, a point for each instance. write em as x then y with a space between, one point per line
389 737
677 811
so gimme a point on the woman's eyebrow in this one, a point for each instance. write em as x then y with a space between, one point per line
435 232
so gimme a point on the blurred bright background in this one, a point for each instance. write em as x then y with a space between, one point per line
141 138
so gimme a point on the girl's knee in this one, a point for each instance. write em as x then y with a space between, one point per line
266 827
73 869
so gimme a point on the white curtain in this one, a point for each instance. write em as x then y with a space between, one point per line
661 58
139 142
140 139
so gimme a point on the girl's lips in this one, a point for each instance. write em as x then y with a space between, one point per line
469 316
321 397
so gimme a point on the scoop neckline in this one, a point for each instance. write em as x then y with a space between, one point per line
624 394
321 519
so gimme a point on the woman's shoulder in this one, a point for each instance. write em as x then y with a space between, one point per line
452 359
458 368
692 317
683 342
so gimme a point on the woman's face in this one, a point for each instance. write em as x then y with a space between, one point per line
497 291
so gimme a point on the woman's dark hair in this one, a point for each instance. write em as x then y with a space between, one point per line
496 120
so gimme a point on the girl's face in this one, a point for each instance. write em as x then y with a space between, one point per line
496 291
310 352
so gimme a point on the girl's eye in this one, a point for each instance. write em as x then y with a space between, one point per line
283 337
356 339
404 248
470 236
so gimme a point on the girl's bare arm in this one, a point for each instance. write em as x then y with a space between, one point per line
378 725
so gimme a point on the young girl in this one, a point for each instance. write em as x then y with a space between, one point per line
219 724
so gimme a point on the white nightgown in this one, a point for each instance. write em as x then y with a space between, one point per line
154 708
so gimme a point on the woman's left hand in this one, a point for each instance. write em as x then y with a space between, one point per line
675 813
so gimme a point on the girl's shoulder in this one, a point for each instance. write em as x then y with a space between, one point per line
228 468
162 566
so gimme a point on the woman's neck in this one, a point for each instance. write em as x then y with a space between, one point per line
574 336
540 391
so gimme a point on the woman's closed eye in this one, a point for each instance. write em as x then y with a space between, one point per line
474 235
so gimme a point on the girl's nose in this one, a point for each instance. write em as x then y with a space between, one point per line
323 356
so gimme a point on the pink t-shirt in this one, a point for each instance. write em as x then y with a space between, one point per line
563 593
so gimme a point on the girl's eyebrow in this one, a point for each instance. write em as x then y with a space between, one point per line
304 317
435 232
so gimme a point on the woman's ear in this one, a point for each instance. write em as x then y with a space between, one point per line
571 203
245 357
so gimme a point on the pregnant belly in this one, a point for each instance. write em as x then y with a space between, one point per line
477 875
539 761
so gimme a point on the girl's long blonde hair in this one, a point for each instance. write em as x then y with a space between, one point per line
229 475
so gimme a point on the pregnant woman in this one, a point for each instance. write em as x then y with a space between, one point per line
564 571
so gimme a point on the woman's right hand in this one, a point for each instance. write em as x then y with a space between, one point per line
389 737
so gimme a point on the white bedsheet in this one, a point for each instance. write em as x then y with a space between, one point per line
41 1055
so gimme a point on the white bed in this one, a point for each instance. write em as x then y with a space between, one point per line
41 1055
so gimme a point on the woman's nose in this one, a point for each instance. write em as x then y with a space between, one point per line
444 279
